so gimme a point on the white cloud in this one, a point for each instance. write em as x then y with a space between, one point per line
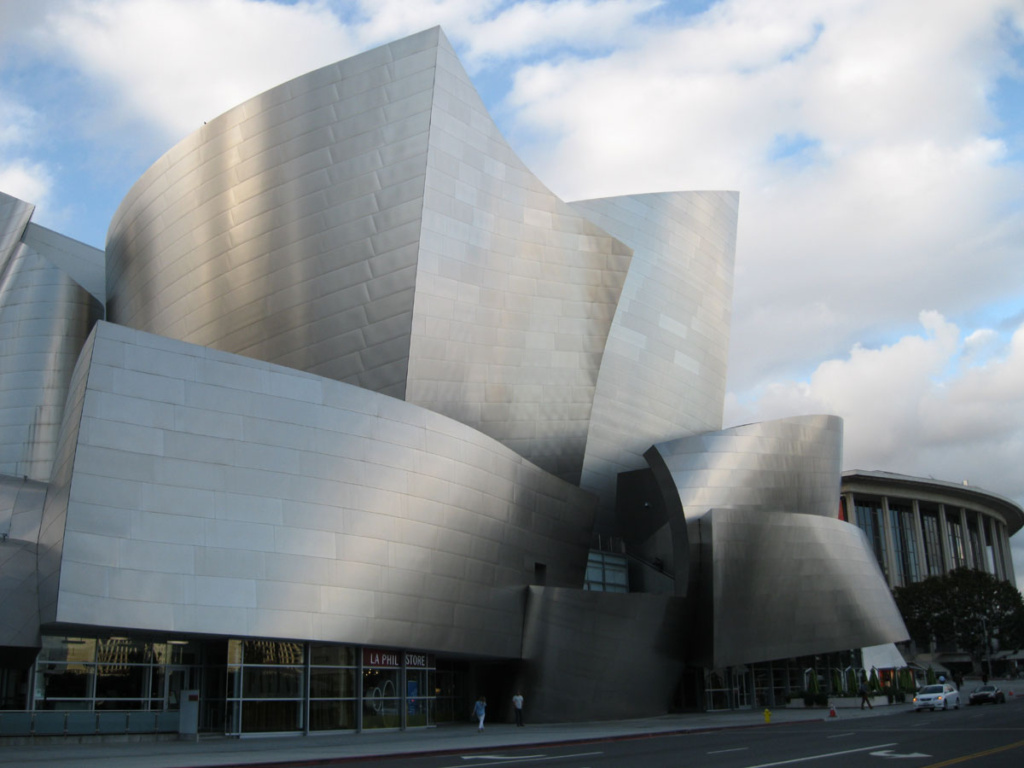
897 195
918 407
28 181
174 64
21 176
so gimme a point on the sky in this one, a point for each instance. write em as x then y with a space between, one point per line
878 152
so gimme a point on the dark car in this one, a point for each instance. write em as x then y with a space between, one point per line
988 694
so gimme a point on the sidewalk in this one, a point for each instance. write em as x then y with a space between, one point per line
313 750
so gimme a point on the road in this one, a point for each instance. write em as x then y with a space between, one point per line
974 737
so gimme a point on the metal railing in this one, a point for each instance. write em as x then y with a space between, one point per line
86 722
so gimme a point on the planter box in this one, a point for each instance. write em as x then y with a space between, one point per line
853 702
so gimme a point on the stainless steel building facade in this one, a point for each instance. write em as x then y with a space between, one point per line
366 409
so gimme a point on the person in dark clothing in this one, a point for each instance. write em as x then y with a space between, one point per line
864 696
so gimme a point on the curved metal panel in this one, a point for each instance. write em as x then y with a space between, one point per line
45 317
52 527
790 464
82 263
787 585
367 222
601 656
212 493
286 229
515 289
664 366
14 217
21 508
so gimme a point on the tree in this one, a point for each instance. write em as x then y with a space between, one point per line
963 609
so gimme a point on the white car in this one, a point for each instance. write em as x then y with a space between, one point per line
939 696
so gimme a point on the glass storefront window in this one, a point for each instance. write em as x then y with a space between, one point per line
332 683
419 702
122 650
381 698
122 682
271 682
64 681
332 656
332 715
74 649
271 716
272 652
108 673
248 686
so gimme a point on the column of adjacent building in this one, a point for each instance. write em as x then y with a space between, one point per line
983 541
1004 542
965 539
947 559
922 554
894 571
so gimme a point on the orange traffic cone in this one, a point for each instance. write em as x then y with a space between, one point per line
832 710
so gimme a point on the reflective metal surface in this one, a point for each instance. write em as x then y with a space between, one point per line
364 362
775 585
367 222
599 655
212 493
21 508
773 572
790 464
14 217
663 369
44 319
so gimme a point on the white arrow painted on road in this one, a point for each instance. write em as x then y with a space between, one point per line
890 753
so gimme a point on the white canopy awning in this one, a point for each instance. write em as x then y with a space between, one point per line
882 657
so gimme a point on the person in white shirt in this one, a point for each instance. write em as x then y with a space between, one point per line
517 703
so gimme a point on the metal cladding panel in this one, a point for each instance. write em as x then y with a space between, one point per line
599 655
664 366
286 229
14 217
791 464
212 493
21 509
515 290
45 317
790 585
367 222
82 263
52 526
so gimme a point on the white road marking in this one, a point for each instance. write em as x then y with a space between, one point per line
890 753
513 759
500 757
723 751
819 757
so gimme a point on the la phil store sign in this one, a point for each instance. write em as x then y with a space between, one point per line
382 658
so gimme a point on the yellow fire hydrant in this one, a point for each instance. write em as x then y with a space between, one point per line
767 715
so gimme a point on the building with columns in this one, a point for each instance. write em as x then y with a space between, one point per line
921 527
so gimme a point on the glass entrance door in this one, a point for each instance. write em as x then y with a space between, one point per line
177 680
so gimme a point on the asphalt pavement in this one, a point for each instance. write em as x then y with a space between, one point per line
451 739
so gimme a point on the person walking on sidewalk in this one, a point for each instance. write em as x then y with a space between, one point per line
480 711
517 705
864 696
